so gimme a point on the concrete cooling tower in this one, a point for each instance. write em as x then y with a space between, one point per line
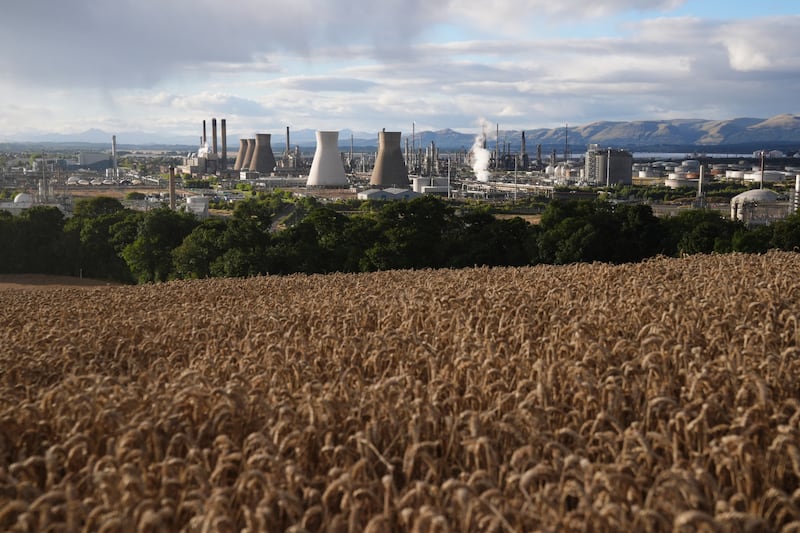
327 169
390 169
263 160
248 154
237 165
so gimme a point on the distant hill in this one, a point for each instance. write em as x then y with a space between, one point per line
781 132
745 134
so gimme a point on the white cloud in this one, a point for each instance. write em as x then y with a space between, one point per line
363 65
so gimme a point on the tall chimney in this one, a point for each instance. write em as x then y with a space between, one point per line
214 136
262 160
288 146
497 146
172 188
114 156
327 169
204 134
700 181
224 158
240 155
389 169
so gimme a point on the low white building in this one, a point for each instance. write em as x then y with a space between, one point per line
197 205
390 194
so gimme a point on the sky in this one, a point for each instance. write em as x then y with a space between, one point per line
163 66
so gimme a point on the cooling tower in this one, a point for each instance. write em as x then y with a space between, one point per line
248 154
240 156
327 169
262 160
389 170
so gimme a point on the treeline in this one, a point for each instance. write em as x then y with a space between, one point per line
107 241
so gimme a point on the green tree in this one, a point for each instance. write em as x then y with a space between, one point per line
200 249
39 238
413 235
786 233
90 227
97 206
755 240
698 231
641 234
245 241
573 231
160 231
481 239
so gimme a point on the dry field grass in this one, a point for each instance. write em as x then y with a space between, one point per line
33 281
661 396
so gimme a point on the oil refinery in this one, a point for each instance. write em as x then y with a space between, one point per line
496 167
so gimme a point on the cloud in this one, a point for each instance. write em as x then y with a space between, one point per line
518 15
365 65
328 84
765 45
204 102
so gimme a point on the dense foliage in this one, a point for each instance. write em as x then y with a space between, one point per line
279 234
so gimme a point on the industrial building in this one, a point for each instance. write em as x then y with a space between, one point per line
388 194
610 166
207 159
198 206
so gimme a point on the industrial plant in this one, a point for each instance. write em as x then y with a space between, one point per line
497 167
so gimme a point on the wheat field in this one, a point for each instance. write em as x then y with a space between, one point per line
660 396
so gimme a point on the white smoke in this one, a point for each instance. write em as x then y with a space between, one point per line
481 157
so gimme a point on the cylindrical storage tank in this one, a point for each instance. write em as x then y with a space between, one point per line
241 155
248 154
734 174
23 199
262 160
327 169
390 169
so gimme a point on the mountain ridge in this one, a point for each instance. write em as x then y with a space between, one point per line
747 133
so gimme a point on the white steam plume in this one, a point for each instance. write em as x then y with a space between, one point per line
481 156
